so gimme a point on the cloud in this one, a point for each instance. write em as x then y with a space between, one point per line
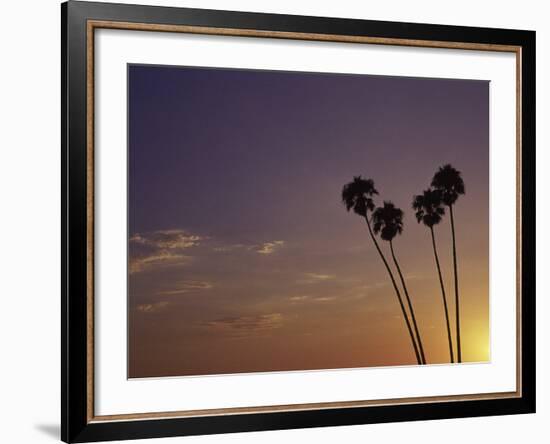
160 248
310 299
325 298
140 263
243 324
188 287
372 286
171 247
299 298
314 278
167 239
152 308
261 248
269 247
320 277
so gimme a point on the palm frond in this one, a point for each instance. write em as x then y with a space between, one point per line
448 180
357 195
388 221
428 206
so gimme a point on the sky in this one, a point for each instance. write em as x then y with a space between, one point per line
242 257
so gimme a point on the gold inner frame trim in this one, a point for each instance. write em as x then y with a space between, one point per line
92 25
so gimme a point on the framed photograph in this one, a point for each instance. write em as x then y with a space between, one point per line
275 221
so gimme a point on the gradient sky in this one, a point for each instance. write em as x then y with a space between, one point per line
242 257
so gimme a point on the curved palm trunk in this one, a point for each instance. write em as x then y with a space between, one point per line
418 338
443 296
458 348
418 359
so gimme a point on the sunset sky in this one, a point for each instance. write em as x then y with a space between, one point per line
242 257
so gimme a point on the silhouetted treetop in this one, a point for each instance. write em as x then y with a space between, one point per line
388 221
448 181
358 195
428 207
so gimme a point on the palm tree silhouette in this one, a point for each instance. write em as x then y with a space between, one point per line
357 195
388 222
429 211
448 181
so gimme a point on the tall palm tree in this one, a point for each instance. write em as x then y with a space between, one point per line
448 181
429 211
388 222
357 195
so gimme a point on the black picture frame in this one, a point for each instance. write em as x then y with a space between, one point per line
76 424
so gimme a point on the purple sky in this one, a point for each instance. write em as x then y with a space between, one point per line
239 243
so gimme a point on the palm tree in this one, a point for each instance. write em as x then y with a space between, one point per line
357 195
448 181
388 222
429 211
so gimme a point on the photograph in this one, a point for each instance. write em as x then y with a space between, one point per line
298 221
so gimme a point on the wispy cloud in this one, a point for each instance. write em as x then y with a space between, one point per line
152 308
372 286
325 298
299 298
170 247
245 324
167 239
269 247
141 263
188 287
162 247
314 278
310 299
